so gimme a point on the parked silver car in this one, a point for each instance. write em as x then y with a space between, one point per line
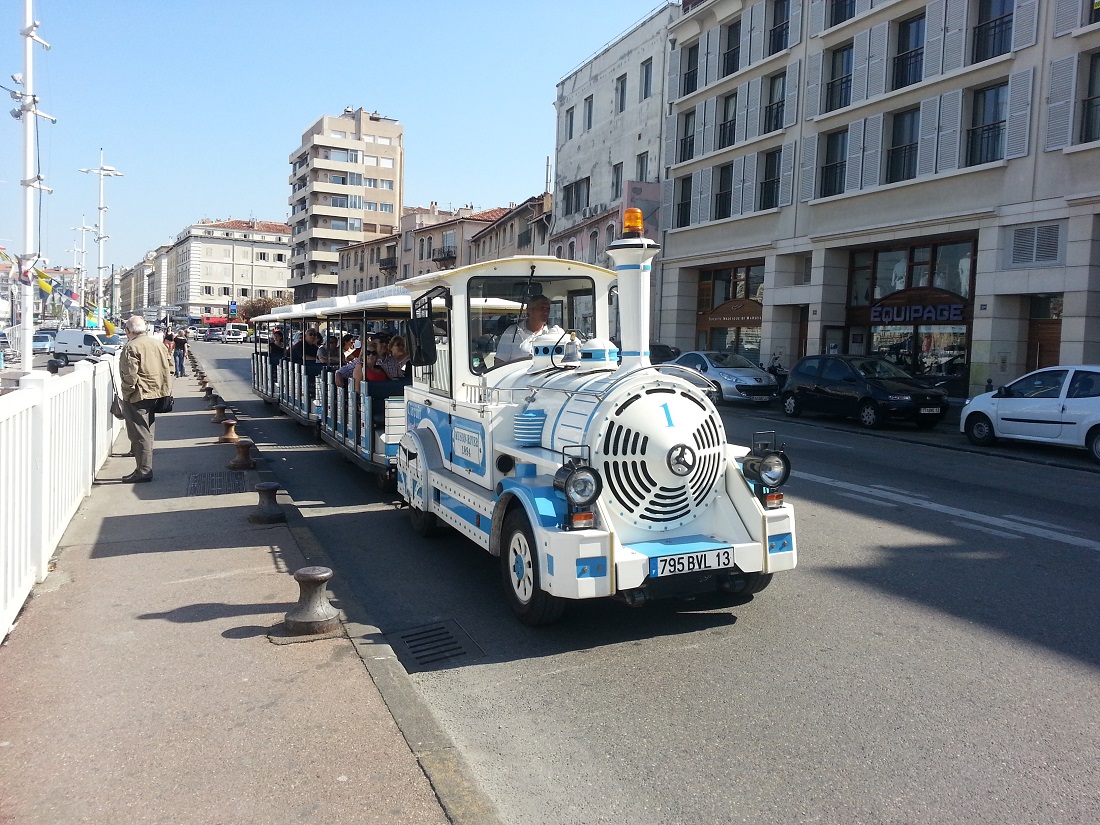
737 378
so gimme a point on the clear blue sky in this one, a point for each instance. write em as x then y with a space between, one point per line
200 103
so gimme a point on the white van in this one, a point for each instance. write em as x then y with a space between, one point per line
75 344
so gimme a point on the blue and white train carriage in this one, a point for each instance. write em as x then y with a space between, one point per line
588 471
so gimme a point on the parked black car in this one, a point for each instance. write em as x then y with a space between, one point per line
871 390
661 353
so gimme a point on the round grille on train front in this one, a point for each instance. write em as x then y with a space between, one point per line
661 453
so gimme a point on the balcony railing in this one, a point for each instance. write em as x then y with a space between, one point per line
1090 119
389 262
687 149
841 10
523 240
838 93
985 144
773 117
832 178
992 38
777 38
731 60
683 214
769 193
726 131
908 68
691 81
444 253
723 203
901 163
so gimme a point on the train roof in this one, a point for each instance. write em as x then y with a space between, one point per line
507 267
395 301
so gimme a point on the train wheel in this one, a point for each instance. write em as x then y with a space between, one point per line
519 565
755 582
423 524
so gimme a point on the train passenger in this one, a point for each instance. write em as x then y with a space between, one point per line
367 369
304 351
515 341
276 350
347 370
396 361
329 355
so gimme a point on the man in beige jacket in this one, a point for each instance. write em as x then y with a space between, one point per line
146 376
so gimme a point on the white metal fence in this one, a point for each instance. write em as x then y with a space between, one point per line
55 434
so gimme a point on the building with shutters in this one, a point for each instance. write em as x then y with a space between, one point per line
918 180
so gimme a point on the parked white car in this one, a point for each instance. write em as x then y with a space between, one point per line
233 336
1055 405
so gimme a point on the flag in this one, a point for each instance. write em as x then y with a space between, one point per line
45 288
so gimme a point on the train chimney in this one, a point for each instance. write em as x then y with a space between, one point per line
633 256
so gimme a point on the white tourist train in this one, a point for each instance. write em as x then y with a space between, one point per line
588 471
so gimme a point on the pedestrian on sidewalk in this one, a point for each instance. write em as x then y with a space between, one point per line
180 353
146 376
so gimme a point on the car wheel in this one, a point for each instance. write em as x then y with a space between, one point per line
1092 441
979 430
62 359
791 405
519 566
869 415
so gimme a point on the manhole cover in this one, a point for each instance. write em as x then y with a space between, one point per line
217 484
424 648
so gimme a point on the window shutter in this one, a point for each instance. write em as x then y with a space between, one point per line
808 171
700 196
872 150
926 143
954 35
817 17
756 40
748 189
1025 21
853 172
1067 16
862 6
861 49
1018 127
1063 76
713 42
947 152
709 109
674 75
752 118
876 60
670 140
786 174
794 24
813 83
738 185
933 38
742 113
1047 243
700 128
790 86
666 204
1036 244
746 37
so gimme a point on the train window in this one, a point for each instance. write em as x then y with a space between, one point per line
503 312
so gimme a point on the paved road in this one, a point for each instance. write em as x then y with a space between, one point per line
933 659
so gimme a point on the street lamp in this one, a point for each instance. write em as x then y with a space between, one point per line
101 235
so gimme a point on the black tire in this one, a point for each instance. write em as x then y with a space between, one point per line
425 525
62 359
979 430
519 567
791 405
1092 441
387 482
869 415
755 582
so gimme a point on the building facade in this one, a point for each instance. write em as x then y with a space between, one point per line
522 230
610 120
917 180
347 186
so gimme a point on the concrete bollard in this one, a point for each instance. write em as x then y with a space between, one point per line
268 510
243 460
314 613
230 435
219 412
208 396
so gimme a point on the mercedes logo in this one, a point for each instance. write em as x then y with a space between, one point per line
682 460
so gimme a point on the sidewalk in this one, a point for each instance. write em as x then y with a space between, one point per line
140 684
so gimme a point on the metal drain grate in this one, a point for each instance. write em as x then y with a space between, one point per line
423 648
217 484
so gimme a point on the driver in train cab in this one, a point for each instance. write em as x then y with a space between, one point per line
515 341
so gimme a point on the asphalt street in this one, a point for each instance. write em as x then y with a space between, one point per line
934 658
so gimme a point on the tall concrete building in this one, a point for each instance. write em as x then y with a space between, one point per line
916 179
347 186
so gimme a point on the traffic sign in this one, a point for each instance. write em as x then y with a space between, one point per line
232 308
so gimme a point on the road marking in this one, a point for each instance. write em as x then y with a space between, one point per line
1038 523
1059 534
988 530
898 490
865 500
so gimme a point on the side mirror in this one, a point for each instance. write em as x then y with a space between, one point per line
420 333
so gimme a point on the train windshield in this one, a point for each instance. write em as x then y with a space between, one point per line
506 314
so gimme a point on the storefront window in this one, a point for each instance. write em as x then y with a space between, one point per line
890 271
861 279
953 264
920 268
721 289
756 282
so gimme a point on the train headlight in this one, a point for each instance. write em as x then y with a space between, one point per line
581 485
765 464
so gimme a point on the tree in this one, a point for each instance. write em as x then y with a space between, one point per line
259 306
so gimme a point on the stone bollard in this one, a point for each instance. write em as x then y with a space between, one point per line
243 460
208 396
202 382
314 614
230 435
268 510
219 412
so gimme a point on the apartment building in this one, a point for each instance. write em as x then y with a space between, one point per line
913 179
214 264
521 230
347 186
